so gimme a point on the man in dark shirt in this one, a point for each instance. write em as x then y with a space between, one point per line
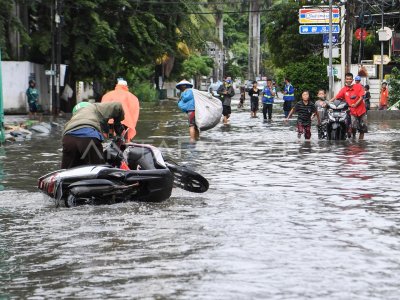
305 109
226 92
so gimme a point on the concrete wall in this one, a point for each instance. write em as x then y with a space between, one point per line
15 78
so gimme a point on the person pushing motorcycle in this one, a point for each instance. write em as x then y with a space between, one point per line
84 133
353 95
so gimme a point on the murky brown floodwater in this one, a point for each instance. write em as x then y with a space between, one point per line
283 219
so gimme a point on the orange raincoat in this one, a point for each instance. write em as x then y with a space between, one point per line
130 104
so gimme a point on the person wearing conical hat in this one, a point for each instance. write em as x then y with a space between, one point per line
130 104
187 105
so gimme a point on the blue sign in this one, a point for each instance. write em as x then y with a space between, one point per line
325 39
318 29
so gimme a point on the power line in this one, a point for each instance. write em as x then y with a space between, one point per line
205 13
189 3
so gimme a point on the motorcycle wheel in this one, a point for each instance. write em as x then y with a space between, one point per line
71 201
189 180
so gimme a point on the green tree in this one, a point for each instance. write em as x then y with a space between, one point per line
101 38
196 66
394 87
285 44
310 74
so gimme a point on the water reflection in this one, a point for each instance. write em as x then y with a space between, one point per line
283 219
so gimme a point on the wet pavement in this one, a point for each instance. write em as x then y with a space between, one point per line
283 219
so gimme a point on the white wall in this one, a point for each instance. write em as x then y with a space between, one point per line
15 78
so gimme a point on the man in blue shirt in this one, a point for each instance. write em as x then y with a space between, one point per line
186 104
268 95
288 97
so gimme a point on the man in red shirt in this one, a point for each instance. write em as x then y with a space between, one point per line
353 95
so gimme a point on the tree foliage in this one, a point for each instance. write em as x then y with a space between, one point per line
310 74
394 87
196 66
102 38
285 44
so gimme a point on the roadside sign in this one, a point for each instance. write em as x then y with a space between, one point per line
361 33
335 71
385 34
325 39
318 15
377 59
49 72
369 70
318 29
335 52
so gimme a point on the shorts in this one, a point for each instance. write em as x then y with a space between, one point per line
254 105
33 107
287 105
79 151
367 105
359 123
306 129
226 110
191 118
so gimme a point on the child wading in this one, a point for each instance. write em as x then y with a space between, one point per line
305 109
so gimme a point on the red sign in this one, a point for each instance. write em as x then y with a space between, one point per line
318 15
361 33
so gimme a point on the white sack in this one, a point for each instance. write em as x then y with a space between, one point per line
208 110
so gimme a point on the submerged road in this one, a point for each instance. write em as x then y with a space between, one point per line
283 219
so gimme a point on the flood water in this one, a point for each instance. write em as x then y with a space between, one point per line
283 219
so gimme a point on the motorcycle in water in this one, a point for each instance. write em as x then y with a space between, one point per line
135 172
338 120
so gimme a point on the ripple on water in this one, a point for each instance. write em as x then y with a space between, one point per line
283 219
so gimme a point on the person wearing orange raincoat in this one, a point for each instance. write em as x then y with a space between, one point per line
130 104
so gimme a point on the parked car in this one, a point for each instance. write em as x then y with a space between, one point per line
261 84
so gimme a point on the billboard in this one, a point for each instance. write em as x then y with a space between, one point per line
318 15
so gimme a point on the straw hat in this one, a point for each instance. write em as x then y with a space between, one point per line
184 82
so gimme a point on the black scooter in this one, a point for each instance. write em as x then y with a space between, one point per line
134 172
338 120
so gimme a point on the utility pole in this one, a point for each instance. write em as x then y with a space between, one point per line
254 40
360 49
349 26
2 134
58 51
330 52
219 48
381 69
52 90
342 44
